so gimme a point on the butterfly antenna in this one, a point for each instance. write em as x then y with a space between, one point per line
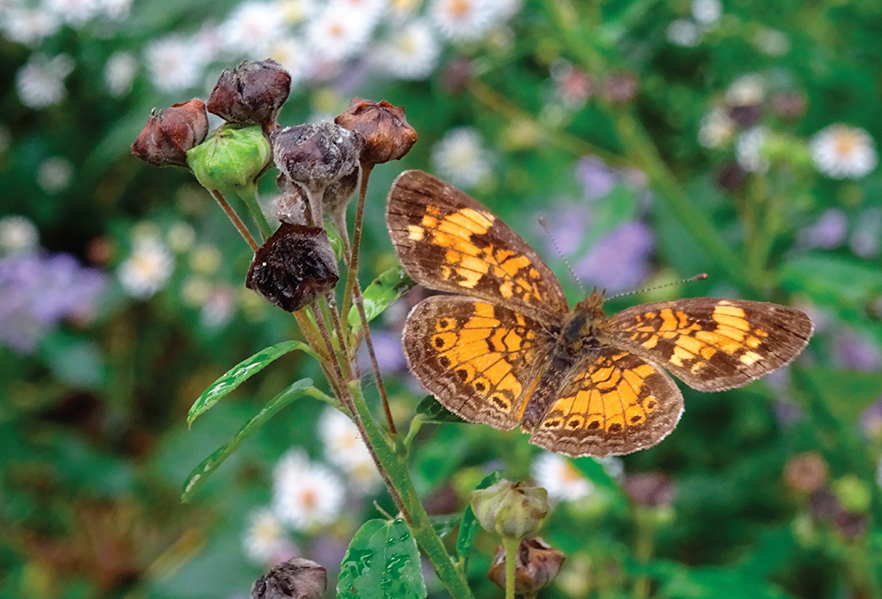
699 277
544 224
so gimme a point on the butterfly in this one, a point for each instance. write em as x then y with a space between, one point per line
506 349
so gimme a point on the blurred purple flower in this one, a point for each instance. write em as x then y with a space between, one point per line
37 290
828 231
568 226
855 352
596 177
621 260
387 347
870 420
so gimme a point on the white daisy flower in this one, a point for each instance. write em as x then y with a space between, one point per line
748 150
74 12
252 28
296 11
464 20
148 269
410 53
292 54
843 152
55 174
29 26
306 495
400 10
707 12
40 82
683 32
772 42
173 64
119 73
716 129
747 90
557 475
17 234
460 157
338 33
265 538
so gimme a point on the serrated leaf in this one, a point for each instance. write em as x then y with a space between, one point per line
382 561
201 473
433 412
380 294
468 527
240 373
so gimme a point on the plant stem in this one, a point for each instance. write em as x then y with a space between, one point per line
234 218
356 236
511 552
643 549
249 196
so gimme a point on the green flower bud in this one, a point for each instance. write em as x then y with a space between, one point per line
512 510
852 493
231 158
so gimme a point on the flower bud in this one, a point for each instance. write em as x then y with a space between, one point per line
169 135
297 578
251 93
650 489
230 158
316 155
536 564
806 472
512 510
293 267
387 136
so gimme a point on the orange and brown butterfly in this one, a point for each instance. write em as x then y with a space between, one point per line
507 349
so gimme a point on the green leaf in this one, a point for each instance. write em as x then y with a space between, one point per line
380 294
847 393
240 373
433 412
382 561
201 473
468 528
444 523
829 279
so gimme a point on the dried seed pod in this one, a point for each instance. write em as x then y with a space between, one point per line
168 136
293 267
387 136
536 564
297 578
251 93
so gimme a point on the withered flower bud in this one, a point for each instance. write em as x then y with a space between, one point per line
619 88
251 93
512 510
297 578
387 136
650 489
806 472
293 267
536 564
168 136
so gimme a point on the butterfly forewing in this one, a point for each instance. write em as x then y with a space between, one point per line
449 242
712 344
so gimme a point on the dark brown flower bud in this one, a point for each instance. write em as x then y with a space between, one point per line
168 136
619 88
806 472
251 93
294 266
651 489
536 564
297 578
387 136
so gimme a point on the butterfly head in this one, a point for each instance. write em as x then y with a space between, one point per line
581 324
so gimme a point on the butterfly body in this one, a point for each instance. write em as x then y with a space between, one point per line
507 349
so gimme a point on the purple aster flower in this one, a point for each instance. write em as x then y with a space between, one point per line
855 352
596 177
37 290
567 227
621 260
828 231
870 420
387 347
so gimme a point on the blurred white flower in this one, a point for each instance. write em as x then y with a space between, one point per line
74 12
843 152
345 449
747 90
17 234
612 465
205 259
116 10
195 291
296 11
683 32
411 52
219 308
294 58
339 32
460 157
557 475
706 12
173 64
148 269
119 73
265 538
40 81
180 237
306 495
716 129
28 26
748 150
772 41
252 28
464 20
54 174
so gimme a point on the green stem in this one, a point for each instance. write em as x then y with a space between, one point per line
643 550
395 467
249 196
234 218
511 552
